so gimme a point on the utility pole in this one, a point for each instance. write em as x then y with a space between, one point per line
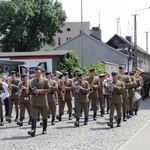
82 34
118 21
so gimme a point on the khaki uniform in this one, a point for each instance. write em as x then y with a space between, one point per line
93 97
67 99
24 101
39 102
52 97
14 97
116 100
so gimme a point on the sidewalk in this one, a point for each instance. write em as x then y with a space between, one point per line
140 140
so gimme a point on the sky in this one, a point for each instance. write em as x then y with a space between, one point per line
107 12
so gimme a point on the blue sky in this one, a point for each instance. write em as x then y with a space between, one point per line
109 11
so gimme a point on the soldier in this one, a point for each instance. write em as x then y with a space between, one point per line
81 88
106 91
93 81
52 96
116 88
24 99
125 94
13 86
101 90
2 90
39 88
65 95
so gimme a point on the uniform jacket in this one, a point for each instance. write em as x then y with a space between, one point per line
131 89
81 95
52 94
42 84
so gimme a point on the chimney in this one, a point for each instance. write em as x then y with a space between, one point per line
96 32
129 38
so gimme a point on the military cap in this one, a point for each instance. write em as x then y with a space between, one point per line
121 67
80 75
65 73
131 73
24 76
43 70
126 73
114 73
105 73
102 75
92 70
12 72
48 73
77 71
38 68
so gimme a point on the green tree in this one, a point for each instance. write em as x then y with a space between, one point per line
69 63
26 24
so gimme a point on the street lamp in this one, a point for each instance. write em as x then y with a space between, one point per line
135 40
82 33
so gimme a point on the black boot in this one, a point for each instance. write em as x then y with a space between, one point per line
29 123
59 117
86 121
102 113
107 110
20 123
124 117
94 117
2 122
44 126
53 121
135 111
16 118
70 116
77 122
130 114
118 123
38 117
33 128
110 124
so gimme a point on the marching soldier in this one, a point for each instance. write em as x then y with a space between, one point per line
51 96
93 93
116 88
81 88
101 94
65 95
24 99
39 88
13 86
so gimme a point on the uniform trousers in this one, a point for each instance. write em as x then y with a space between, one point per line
6 102
52 108
1 108
25 104
118 107
16 102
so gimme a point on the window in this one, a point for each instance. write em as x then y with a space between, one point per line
59 41
68 38
68 29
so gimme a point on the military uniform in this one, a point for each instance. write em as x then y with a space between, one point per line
66 86
51 96
116 100
24 101
39 88
81 88
13 84
93 96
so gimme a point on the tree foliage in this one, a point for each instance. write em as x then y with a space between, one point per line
26 24
69 63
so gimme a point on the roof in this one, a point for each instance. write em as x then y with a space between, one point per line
38 53
93 39
11 62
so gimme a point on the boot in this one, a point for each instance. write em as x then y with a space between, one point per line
130 114
2 122
110 124
124 117
86 121
118 123
53 121
102 113
77 122
20 123
16 118
9 119
135 111
70 116
107 110
38 117
94 117
29 123
33 128
127 114
44 126
59 117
